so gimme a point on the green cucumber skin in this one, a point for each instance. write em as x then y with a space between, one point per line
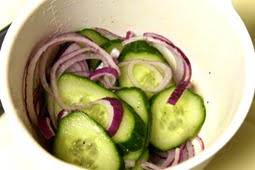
116 43
129 95
126 93
100 130
198 126
137 50
95 36
144 157
137 137
108 47
140 47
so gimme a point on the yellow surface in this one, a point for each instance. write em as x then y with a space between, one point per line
239 153
246 9
8 11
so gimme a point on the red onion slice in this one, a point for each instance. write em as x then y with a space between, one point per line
31 67
44 125
190 149
169 159
105 71
45 63
149 166
115 111
75 57
81 66
177 157
153 66
108 34
129 35
201 142
50 108
61 114
115 54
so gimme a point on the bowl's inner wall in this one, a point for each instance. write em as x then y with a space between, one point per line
201 30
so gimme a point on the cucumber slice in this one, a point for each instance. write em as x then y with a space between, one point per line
145 157
110 45
95 36
140 50
83 142
144 75
74 89
135 155
138 100
173 125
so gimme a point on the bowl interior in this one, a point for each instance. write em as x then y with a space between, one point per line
200 28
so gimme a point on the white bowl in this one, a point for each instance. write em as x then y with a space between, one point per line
209 31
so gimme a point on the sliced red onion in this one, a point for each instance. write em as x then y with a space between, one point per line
61 114
169 159
115 53
178 91
133 39
31 67
177 156
75 57
45 63
149 166
108 34
105 71
37 105
157 158
44 125
115 110
117 114
184 153
50 108
129 35
201 142
81 66
190 149
129 163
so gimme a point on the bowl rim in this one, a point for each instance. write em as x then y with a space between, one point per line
26 139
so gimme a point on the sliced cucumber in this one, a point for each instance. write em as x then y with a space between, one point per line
95 36
83 142
144 75
135 155
145 157
140 50
74 89
138 100
173 125
110 45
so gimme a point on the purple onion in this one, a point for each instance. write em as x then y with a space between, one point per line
44 125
